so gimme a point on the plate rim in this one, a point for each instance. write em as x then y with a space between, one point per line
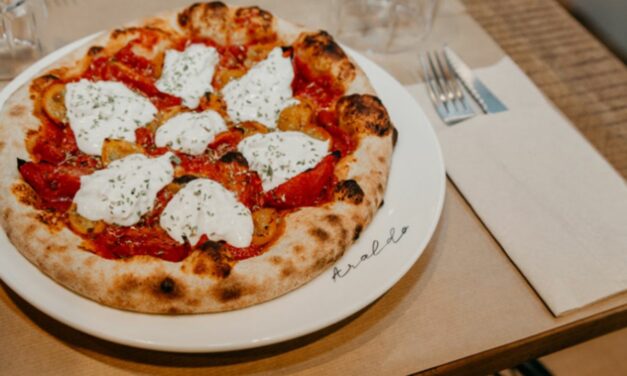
346 312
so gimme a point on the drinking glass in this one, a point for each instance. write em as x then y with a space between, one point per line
20 26
383 26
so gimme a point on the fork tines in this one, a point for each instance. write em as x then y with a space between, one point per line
444 90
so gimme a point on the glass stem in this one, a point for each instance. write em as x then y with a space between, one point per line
8 33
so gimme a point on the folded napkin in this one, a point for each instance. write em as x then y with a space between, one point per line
555 205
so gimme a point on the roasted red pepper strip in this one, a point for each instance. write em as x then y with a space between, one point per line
54 144
139 64
142 83
105 68
55 185
235 177
228 139
96 69
341 141
311 187
122 242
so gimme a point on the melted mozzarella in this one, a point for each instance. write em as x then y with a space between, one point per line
188 74
105 109
125 190
190 132
279 156
204 206
263 92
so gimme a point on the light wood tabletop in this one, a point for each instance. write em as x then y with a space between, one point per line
463 307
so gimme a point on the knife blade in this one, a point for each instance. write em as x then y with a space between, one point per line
488 102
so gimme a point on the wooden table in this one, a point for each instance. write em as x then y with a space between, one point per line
433 320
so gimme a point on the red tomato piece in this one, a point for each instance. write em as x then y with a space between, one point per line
229 138
123 242
54 144
96 69
245 183
55 185
142 83
153 218
139 64
232 56
320 89
199 165
311 187
342 141
235 177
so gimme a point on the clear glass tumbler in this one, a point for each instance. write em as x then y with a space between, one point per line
20 27
383 26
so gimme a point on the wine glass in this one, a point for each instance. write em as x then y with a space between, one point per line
382 26
20 44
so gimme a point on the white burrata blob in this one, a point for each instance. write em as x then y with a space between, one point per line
263 92
204 206
188 74
125 190
105 109
190 132
279 156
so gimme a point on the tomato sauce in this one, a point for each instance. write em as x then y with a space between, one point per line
58 164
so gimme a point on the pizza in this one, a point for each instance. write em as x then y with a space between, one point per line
201 160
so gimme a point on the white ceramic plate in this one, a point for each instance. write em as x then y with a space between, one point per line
384 253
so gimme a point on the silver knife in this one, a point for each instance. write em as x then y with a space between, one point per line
487 101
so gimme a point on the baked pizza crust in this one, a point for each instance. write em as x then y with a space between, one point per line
313 238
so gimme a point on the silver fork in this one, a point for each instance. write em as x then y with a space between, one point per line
444 90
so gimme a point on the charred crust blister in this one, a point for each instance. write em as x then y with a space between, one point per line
366 113
49 76
228 293
215 10
319 234
234 156
332 219
357 231
215 6
183 17
324 55
253 12
221 267
94 50
167 285
323 42
349 190
210 246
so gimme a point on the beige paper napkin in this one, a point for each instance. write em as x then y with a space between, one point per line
555 205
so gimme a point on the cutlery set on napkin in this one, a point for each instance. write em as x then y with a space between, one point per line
557 208
445 92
